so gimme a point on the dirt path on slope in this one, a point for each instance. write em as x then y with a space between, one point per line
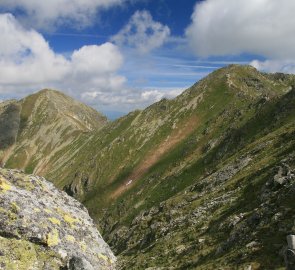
153 156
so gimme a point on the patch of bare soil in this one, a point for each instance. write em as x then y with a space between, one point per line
153 156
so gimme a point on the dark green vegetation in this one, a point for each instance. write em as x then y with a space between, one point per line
9 123
205 180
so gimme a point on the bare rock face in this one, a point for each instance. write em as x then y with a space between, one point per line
44 228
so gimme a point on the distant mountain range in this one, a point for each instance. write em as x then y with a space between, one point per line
202 181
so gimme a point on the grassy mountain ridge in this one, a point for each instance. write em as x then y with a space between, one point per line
43 123
141 169
236 215
201 181
132 145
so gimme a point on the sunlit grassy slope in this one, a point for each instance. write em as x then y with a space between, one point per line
237 123
205 180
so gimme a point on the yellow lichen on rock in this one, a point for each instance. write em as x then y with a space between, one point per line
69 219
48 211
4 184
15 208
54 220
53 238
103 257
70 238
83 246
23 255
26 182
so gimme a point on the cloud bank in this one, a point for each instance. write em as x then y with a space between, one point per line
90 73
257 27
51 14
26 59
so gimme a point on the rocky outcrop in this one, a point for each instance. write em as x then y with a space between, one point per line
43 228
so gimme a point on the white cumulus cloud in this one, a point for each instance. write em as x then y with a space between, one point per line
53 13
285 66
129 98
90 73
27 61
262 27
258 27
95 67
142 33
25 57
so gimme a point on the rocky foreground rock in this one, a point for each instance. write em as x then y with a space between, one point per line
44 228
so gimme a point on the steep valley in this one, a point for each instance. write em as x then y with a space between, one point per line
202 181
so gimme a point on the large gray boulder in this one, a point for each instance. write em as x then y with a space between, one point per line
44 228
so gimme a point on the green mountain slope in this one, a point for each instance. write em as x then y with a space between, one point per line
9 123
176 131
229 128
235 215
39 125
203 181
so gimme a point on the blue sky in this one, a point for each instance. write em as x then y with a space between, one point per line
174 13
121 55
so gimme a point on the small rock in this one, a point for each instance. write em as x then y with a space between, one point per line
180 249
283 175
277 216
252 244
77 263
290 259
291 241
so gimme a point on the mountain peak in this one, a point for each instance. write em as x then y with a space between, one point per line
248 82
43 122
49 90
236 69
53 93
56 104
